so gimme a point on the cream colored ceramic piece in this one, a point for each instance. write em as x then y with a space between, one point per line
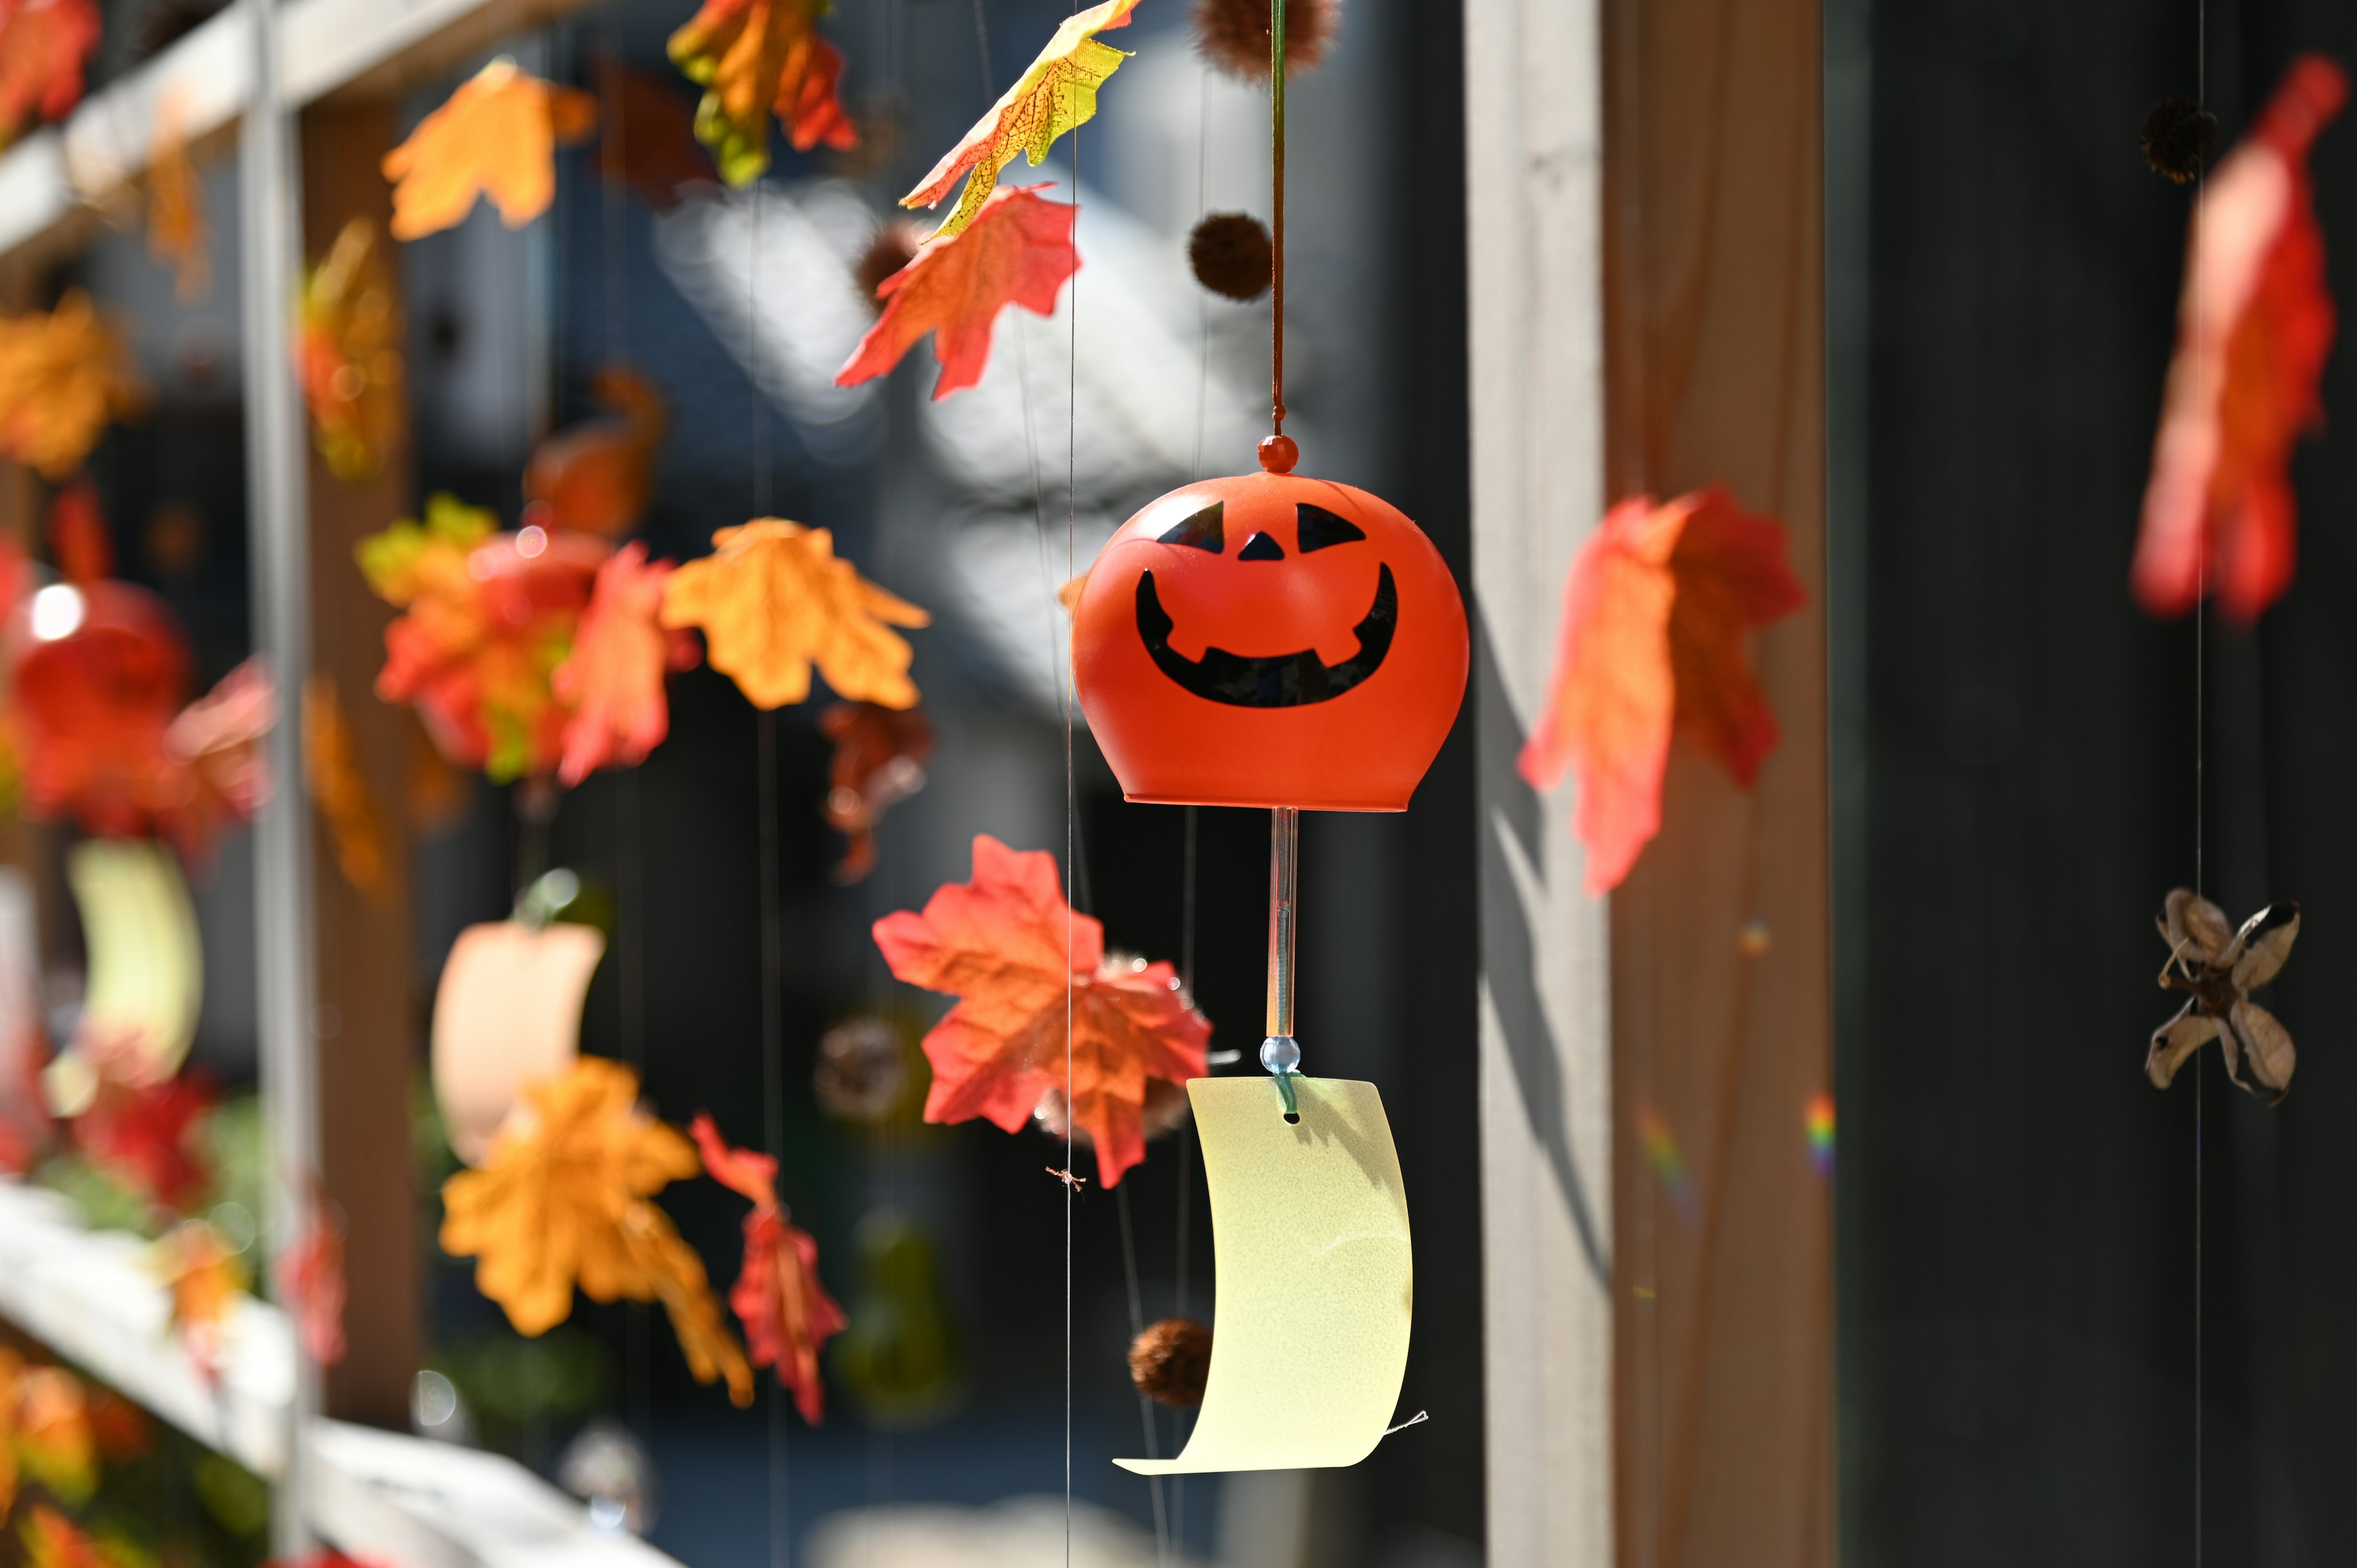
1316 1285
146 977
509 1013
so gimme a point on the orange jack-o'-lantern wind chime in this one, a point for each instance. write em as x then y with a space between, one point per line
1272 639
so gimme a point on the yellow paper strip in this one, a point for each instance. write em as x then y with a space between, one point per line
1316 1282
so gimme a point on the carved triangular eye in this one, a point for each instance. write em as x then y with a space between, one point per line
1315 528
1207 530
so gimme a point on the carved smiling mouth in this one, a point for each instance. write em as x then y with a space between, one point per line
1283 681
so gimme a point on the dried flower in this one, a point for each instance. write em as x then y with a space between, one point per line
2220 967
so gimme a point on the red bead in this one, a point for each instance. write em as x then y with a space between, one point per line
1278 453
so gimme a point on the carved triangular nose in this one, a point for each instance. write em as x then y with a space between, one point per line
1261 547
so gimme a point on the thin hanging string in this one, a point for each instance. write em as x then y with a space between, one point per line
1072 807
773 1044
1276 206
637 1370
1186 1163
2201 706
1145 1405
1202 294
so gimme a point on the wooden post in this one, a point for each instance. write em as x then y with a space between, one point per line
367 1007
1721 965
1533 148
1647 281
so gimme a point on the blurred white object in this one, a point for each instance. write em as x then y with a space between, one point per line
609 1469
1021 1532
1141 384
508 1013
1000 583
806 238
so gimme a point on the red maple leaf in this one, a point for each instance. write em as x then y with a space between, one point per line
144 1135
312 1284
1020 962
613 678
2254 325
1654 614
787 1313
879 760
43 44
1018 251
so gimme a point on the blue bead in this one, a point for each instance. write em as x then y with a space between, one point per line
1280 1054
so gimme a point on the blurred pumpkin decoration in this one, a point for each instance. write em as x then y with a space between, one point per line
347 355
98 669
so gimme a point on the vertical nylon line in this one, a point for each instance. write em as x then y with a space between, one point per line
630 935
1072 811
773 1097
2201 674
1145 1405
1276 205
773 1047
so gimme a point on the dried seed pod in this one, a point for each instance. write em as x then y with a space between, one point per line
861 1073
893 247
1233 35
2176 138
1232 255
1170 1360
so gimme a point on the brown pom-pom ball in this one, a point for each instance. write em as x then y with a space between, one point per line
861 1073
2176 138
893 247
1170 1360
1233 35
1232 255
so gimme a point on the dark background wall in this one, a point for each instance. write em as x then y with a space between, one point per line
2036 1245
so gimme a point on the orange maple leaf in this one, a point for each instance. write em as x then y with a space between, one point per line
312 1284
51 1436
786 1312
1655 613
648 140
347 355
43 45
754 58
595 475
563 1198
772 601
879 760
176 232
496 136
1019 251
331 768
2253 326
1020 962
489 617
202 1273
64 373
1057 93
613 678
